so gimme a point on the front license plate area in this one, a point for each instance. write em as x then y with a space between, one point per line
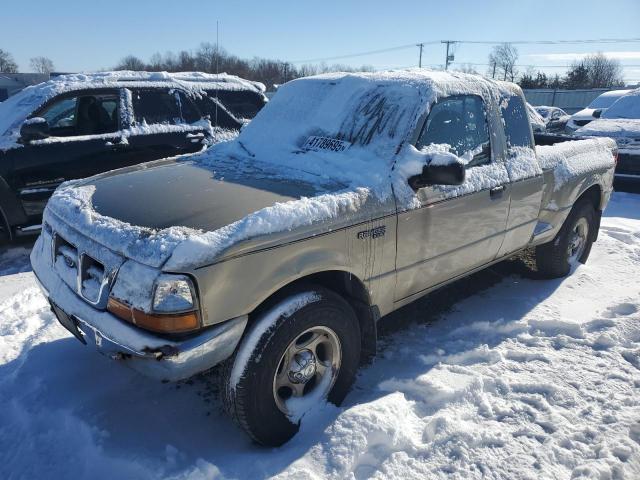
68 322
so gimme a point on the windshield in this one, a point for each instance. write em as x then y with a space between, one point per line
626 107
606 99
354 111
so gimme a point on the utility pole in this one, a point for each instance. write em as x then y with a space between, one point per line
421 45
448 58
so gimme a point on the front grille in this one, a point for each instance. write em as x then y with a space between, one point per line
84 274
628 164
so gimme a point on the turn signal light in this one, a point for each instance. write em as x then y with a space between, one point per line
161 323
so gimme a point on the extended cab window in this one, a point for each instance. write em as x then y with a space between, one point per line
516 122
169 107
82 115
461 123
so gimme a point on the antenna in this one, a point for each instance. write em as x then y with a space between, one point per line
217 65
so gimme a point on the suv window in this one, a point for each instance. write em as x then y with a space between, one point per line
218 114
460 122
241 103
163 106
82 115
516 122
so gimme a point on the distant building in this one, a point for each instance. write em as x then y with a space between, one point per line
12 83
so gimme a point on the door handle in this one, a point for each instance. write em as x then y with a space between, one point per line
117 145
191 136
497 192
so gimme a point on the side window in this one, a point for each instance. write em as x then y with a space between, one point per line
82 115
461 123
516 122
188 110
156 106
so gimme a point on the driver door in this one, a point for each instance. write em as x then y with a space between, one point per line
455 229
83 129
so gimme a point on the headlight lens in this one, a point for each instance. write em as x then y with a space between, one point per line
173 293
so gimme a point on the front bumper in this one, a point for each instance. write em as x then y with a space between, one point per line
150 354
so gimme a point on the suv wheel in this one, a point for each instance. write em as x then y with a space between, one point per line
571 246
299 353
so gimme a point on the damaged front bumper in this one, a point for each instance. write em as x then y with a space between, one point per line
145 352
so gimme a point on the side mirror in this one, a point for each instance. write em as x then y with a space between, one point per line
440 173
35 128
597 113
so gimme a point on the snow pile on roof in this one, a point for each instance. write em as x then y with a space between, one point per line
222 81
569 159
522 379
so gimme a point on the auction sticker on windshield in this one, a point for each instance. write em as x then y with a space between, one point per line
325 143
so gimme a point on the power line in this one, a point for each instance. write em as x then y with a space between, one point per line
476 42
362 54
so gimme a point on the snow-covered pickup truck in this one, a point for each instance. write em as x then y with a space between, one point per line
347 197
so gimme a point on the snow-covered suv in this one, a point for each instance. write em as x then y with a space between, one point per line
276 253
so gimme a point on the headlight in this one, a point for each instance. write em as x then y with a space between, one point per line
174 307
173 293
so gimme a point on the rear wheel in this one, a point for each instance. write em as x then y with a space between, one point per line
572 244
299 353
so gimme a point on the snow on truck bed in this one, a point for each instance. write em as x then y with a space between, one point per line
525 379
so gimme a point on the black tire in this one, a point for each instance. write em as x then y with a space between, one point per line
251 401
553 258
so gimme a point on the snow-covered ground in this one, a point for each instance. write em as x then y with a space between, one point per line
520 378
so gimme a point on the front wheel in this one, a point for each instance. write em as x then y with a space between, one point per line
299 353
572 244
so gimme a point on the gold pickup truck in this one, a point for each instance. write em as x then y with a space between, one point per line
275 254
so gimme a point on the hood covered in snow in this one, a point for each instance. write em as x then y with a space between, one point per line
186 194
609 127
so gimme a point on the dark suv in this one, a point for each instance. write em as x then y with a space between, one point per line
80 125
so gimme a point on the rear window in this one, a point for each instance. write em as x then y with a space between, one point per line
241 103
516 122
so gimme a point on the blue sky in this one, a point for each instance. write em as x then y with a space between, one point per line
88 35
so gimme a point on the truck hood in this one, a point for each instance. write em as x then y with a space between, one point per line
179 214
185 194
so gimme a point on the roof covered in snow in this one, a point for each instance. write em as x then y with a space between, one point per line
17 108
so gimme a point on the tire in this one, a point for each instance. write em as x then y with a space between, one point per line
250 379
556 259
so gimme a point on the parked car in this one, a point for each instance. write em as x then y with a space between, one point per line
621 122
275 254
537 122
242 98
75 126
555 118
596 108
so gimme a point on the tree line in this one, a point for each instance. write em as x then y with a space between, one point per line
209 58
38 64
593 71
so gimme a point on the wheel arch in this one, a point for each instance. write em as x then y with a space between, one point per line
345 284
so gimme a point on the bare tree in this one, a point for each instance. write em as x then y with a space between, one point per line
7 64
603 71
502 62
42 65
594 71
130 62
